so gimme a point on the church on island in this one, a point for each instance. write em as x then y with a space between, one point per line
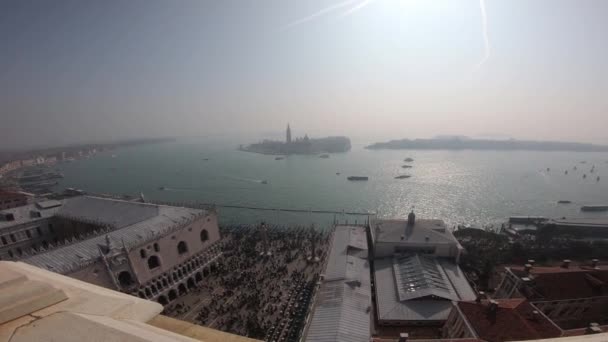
303 145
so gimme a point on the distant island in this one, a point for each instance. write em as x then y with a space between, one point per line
303 145
466 143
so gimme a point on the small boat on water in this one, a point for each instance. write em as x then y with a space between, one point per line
597 179
408 160
337 173
264 181
357 178
564 202
548 169
162 188
566 172
406 166
594 208
324 156
584 162
205 159
584 176
279 158
403 176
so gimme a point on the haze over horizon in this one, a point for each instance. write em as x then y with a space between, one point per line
78 71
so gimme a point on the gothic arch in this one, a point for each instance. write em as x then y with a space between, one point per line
182 289
125 279
163 300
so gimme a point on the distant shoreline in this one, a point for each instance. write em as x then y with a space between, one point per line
490 145
10 155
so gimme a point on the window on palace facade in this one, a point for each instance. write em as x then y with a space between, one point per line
182 247
153 262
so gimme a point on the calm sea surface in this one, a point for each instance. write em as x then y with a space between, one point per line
468 187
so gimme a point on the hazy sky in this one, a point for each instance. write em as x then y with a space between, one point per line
94 70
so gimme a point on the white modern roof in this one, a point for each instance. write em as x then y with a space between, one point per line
418 276
418 287
343 304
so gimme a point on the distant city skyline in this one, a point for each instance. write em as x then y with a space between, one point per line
82 71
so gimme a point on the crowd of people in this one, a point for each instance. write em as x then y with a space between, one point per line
262 286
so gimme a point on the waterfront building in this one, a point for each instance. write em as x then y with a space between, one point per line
416 272
10 166
12 199
153 251
38 305
571 296
421 236
577 228
341 310
288 135
28 162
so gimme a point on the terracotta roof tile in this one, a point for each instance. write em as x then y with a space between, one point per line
555 283
514 320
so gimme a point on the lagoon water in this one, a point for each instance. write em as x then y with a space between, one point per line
462 187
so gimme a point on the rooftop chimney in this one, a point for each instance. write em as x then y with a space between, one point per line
593 328
492 309
403 337
566 263
480 296
411 219
535 315
594 263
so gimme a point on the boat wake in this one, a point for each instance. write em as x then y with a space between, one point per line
249 180
166 188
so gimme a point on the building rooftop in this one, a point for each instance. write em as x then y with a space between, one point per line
415 287
109 212
342 307
584 338
589 221
37 305
23 214
555 283
512 320
423 231
134 221
4 194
